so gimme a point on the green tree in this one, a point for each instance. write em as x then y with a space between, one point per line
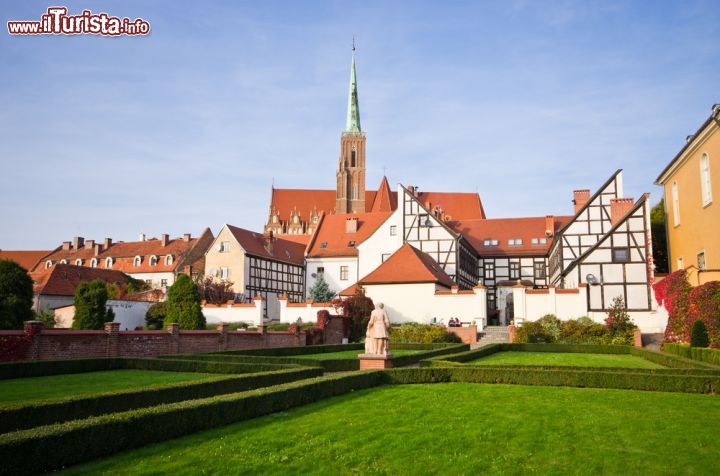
155 316
47 317
16 295
659 237
699 334
183 304
91 310
320 291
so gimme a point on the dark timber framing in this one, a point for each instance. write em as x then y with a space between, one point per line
267 277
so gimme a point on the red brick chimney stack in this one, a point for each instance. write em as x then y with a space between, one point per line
351 225
107 244
78 242
619 207
89 244
165 238
580 198
66 245
186 237
549 226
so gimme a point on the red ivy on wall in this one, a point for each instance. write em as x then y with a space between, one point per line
673 293
705 305
16 347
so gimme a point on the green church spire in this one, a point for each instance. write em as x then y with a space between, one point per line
352 124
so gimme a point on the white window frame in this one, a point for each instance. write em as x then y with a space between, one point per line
137 261
393 230
704 260
675 197
108 262
93 263
168 260
153 260
224 272
344 273
705 182
680 263
78 262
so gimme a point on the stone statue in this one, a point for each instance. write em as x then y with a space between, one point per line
377 337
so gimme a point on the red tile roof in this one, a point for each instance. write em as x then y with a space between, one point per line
408 265
384 200
301 239
332 232
63 279
459 206
123 254
282 250
26 259
504 229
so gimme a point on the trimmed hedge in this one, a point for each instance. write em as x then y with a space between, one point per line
63 444
214 367
560 377
298 350
670 371
38 368
17 417
700 354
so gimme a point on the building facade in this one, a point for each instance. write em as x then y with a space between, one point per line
691 185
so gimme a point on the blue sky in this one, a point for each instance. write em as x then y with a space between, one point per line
522 101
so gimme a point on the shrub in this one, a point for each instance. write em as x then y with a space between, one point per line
320 291
532 332
699 335
91 310
47 317
583 331
618 320
551 326
410 332
213 291
357 309
155 316
134 285
16 295
673 293
183 304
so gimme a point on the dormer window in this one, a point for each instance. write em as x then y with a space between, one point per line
48 264
168 260
538 241
314 219
137 261
108 262
93 263
153 260
351 244
515 242
63 261
490 242
323 245
78 262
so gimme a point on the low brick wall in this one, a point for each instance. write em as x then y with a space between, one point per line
36 343
468 335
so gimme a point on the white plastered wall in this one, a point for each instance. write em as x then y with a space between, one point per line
332 272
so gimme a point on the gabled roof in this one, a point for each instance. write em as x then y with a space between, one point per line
25 258
123 254
459 206
714 117
331 238
384 201
504 229
408 265
63 279
282 250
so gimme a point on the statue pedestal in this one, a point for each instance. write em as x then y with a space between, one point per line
375 361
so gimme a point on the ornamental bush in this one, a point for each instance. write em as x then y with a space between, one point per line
91 310
357 309
412 332
704 305
16 295
699 335
155 316
183 304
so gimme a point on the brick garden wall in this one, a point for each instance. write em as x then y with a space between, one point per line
36 343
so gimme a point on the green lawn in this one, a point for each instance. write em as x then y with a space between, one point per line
24 390
566 359
455 428
352 354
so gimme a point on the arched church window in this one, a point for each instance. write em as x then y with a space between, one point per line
352 157
354 192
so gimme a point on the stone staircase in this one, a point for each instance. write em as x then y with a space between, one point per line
493 335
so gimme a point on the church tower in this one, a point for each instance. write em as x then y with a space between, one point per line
351 165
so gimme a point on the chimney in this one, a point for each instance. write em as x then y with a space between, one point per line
580 198
108 243
66 246
98 249
141 237
78 242
89 244
186 237
411 189
351 225
549 226
165 239
268 241
619 207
